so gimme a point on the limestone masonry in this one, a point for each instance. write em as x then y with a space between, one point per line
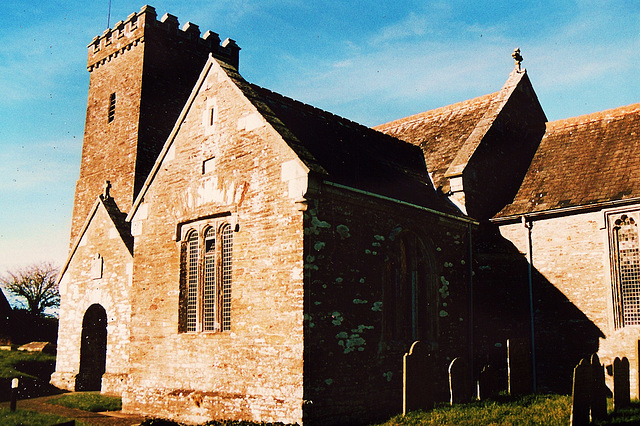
236 254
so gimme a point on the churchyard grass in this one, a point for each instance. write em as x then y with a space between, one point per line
89 401
31 418
13 363
625 416
527 410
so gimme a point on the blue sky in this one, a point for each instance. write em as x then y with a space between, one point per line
369 61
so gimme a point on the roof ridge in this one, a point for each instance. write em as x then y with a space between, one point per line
306 105
612 113
328 115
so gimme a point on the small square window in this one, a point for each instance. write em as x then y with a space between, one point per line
208 165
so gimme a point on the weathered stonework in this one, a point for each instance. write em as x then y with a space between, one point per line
255 371
112 290
320 250
571 256
151 66
355 366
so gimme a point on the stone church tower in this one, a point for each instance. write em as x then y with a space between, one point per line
142 72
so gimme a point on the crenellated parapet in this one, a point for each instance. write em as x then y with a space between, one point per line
138 26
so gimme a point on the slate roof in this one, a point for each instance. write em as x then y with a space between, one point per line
450 135
119 221
441 133
582 161
352 154
334 148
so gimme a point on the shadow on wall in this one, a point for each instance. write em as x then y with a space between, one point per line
563 333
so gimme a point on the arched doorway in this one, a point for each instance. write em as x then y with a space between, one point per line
93 349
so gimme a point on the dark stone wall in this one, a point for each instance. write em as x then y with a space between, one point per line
352 361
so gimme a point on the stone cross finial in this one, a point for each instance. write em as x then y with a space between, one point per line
107 187
517 57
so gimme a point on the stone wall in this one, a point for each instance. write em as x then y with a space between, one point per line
353 364
151 65
572 295
80 288
231 171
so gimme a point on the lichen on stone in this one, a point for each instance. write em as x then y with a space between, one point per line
343 231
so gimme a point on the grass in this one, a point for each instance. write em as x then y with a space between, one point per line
89 401
626 416
23 364
28 417
32 368
529 410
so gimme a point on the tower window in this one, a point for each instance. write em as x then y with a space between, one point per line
112 107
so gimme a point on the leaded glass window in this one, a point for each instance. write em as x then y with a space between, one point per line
208 277
626 270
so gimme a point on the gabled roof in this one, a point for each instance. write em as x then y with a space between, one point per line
339 150
119 221
351 154
583 161
450 135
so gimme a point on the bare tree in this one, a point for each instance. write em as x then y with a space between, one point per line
37 285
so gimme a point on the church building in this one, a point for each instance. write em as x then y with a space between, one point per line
236 254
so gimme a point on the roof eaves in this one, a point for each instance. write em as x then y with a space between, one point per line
511 217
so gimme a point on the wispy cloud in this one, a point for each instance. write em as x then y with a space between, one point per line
38 166
412 66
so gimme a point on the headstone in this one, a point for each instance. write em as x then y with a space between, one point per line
520 378
488 383
45 347
459 383
621 385
417 393
598 390
581 397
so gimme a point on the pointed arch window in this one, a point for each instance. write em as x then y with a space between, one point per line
206 279
625 249
411 303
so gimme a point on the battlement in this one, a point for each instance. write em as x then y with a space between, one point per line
128 33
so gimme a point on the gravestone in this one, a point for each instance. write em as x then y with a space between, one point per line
520 378
581 398
488 383
45 347
417 378
598 390
621 385
459 383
